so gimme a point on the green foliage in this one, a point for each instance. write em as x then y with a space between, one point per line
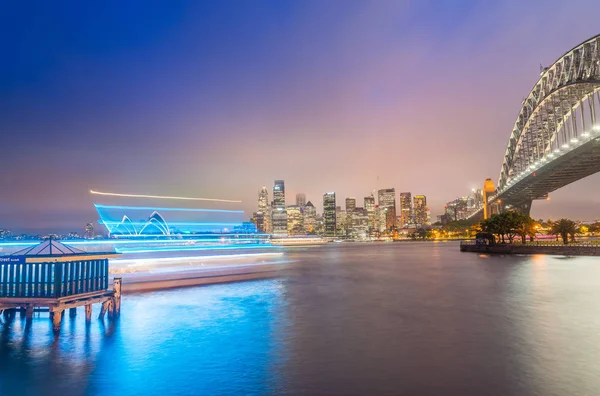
458 226
509 224
565 228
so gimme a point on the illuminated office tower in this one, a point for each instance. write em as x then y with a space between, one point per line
310 218
258 219
420 208
295 220
261 218
263 199
406 211
387 201
329 222
301 200
359 227
89 231
370 208
278 212
342 219
350 204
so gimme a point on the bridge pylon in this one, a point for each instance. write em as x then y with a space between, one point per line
488 189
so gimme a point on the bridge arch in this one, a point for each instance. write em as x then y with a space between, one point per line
561 112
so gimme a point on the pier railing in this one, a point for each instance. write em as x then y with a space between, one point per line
52 279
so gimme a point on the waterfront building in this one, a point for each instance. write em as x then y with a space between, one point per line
329 220
295 220
89 231
387 200
350 204
258 219
420 210
263 199
310 218
279 214
341 223
406 210
359 228
370 208
262 218
301 200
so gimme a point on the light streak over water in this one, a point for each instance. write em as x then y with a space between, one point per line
162 197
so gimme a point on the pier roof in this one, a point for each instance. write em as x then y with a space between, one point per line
53 250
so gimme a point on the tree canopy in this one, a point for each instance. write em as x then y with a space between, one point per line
509 224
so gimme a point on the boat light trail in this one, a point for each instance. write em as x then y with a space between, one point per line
194 248
165 209
138 262
162 197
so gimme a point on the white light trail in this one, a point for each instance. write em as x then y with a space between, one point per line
162 197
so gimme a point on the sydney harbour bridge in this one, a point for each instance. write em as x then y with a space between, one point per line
556 137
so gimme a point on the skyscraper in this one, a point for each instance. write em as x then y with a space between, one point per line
387 200
278 212
310 218
359 228
406 211
263 199
329 214
370 208
89 231
420 206
301 200
261 218
295 220
350 204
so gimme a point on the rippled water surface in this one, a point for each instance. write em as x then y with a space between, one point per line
389 318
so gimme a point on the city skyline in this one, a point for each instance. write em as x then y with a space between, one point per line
168 105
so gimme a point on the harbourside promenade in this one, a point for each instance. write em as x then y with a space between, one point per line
558 248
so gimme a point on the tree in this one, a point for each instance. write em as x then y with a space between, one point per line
564 228
509 224
525 227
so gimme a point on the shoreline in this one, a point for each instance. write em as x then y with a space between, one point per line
557 250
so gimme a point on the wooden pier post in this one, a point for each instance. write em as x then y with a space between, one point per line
29 312
117 298
72 312
103 309
56 317
88 312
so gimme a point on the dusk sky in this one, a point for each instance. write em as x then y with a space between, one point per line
218 98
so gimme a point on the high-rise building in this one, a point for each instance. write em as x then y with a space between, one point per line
261 218
310 218
420 208
329 214
370 208
89 231
301 200
258 219
295 220
263 199
350 204
342 220
387 200
359 228
278 212
406 210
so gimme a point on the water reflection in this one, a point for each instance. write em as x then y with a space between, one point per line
410 318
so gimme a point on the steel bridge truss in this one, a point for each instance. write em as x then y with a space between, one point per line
561 113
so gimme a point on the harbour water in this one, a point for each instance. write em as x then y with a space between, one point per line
353 319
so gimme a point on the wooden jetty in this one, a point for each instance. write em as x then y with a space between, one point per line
54 277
